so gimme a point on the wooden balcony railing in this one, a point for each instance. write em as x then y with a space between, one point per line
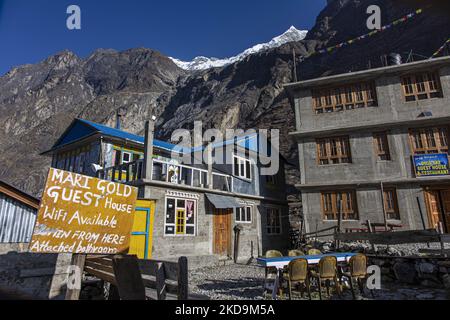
169 173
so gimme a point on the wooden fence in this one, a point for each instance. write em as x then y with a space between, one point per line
139 279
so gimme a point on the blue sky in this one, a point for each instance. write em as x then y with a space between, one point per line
32 30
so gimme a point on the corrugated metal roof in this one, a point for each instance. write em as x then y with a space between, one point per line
80 129
223 202
16 220
126 135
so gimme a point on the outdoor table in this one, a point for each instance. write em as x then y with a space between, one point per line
282 262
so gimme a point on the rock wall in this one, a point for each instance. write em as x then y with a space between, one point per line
423 271
30 275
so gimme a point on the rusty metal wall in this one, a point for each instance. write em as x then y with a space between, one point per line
16 220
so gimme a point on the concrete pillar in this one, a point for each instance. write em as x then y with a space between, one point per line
210 166
148 149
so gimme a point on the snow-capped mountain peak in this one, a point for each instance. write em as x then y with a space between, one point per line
203 63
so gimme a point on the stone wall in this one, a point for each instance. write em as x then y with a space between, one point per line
426 271
35 276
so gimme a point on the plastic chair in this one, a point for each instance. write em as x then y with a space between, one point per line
298 274
295 253
327 272
273 254
271 270
314 252
358 272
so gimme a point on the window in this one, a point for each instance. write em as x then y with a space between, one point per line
273 221
180 217
126 157
242 167
382 146
344 98
429 140
391 204
421 86
244 214
333 151
330 205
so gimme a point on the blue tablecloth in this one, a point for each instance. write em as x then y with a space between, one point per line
312 259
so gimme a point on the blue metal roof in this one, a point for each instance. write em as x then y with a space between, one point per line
116 133
81 128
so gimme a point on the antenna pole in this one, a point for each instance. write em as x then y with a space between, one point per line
295 65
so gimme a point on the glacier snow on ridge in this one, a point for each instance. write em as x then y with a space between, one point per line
203 63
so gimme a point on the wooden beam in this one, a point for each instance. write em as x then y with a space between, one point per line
183 285
160 282
128 278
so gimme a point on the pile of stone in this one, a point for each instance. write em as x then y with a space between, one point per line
426 272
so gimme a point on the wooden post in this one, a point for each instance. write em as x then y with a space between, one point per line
384 208
78 261
339 226
160 282
128 277
370 230
148 151
183 285
369 226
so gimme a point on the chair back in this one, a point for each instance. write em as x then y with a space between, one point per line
295 253
358 265
327 267
313 252
298 270
273 254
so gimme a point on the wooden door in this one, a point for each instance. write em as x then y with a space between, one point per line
434 211
445 194
222 231
141 240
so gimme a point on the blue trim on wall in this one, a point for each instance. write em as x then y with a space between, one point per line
147 230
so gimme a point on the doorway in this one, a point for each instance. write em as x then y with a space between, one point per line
222 231
438 207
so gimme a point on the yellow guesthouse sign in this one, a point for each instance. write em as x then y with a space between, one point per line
85 215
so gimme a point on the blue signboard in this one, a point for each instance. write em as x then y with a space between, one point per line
431 165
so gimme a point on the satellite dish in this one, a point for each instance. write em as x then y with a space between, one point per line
95 167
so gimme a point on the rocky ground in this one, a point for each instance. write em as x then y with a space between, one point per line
245 282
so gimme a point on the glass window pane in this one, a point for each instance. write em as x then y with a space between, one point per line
170 211
190 212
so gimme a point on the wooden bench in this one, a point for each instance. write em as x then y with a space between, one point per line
161 280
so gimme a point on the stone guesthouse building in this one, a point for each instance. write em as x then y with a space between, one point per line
375 141
189 210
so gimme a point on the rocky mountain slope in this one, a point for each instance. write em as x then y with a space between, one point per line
38 101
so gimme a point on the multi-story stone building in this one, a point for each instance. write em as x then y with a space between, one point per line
193 210
376 142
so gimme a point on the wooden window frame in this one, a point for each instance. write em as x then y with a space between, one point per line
423 134
348 214
383 154
333 155
415 90
130 157
270 229
244 214
341 98
245 167
392 213
176 224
